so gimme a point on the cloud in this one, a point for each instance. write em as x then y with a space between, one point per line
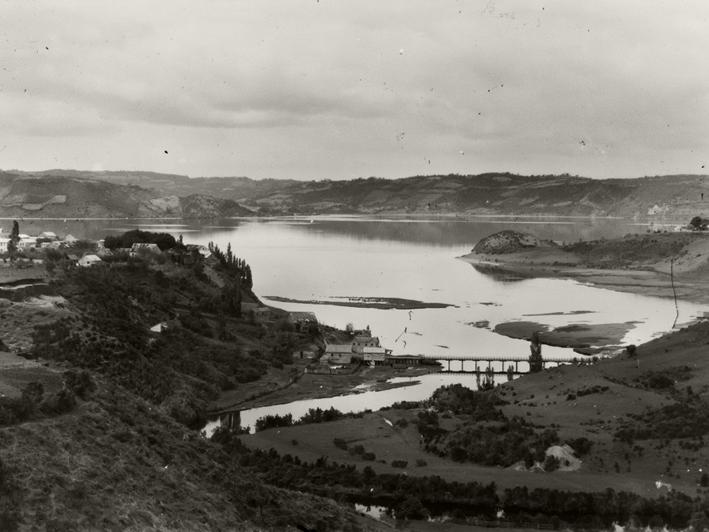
506 82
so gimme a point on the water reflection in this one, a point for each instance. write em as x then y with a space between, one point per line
413 259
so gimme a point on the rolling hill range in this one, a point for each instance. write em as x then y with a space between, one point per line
671 197
69 196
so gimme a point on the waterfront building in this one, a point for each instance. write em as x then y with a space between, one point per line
338 354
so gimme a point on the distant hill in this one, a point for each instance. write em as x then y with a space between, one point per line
673 197
72 195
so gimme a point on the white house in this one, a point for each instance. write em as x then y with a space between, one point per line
3 244
89 260
27 242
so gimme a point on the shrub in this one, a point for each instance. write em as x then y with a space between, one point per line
411 508
340 443
551 463
357 449
582 446
401 464
80 383
273 421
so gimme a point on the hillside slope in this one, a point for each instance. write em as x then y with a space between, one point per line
75 197
670 197
640 263
98 416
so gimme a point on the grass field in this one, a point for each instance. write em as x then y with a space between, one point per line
578 401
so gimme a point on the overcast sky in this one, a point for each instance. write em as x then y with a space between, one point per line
342 89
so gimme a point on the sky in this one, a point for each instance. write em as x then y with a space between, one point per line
328 89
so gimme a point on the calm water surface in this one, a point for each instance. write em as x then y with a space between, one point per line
355 257
415 259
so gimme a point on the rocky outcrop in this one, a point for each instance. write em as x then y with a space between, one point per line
509 242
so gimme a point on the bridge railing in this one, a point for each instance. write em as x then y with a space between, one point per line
504 358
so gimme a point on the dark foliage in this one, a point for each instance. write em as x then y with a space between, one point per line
459 399
314 415
163 240
238 268
486 436
687 418
182 369
10 500
414 497
273 421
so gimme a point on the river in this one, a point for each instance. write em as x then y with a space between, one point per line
325 257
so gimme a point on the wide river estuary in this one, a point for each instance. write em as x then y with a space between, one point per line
351 257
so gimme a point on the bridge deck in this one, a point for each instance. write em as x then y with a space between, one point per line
499 358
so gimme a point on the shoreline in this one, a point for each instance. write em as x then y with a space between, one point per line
319 386
645 282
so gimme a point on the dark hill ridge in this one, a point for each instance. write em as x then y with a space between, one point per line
673 197
72 196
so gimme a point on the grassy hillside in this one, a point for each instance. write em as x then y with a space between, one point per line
67 196
632 422
673 196
97 425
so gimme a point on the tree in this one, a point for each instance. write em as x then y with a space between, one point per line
411 508
697 223
231 298
14 240
551 463
704 480
536 362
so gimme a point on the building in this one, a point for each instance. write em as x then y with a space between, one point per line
3 244
182 257
49 235
338 354
89 260
375 356
26 242
362 341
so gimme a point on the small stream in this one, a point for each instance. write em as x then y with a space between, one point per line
414 389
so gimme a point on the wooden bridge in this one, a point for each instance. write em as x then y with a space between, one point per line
482 363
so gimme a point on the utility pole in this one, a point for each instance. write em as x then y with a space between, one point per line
674 291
